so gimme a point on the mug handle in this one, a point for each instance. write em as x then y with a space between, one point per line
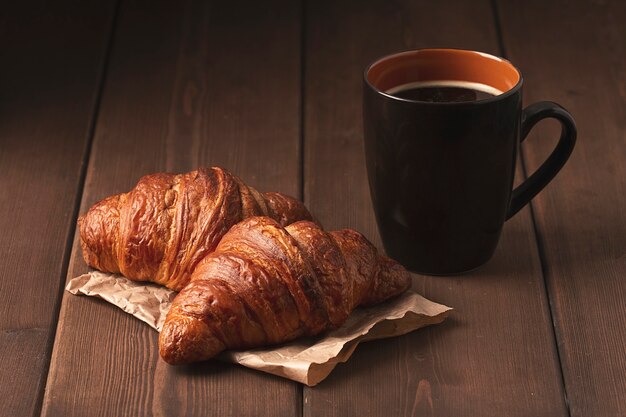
531 115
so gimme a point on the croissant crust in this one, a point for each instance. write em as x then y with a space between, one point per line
266 284
160 230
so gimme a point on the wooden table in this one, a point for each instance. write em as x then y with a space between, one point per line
94 94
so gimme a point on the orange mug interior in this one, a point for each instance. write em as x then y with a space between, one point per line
425 65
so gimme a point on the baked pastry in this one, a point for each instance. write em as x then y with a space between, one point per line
266 284
161 229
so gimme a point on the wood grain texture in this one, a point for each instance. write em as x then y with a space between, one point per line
581 216
52 56
27 354
495 355
191 83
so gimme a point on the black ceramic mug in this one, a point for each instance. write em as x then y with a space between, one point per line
441 171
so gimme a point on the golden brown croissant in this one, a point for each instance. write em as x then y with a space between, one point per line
161 229
266 284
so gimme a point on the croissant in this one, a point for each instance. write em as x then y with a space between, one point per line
266 284
161 229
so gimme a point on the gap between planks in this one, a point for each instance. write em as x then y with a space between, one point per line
77 202
537 233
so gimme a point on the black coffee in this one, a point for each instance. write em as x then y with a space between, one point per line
442 94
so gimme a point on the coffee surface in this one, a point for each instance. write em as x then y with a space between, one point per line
444 91
442 94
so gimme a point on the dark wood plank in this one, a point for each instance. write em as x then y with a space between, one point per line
52 56
191 83
495 356
574 53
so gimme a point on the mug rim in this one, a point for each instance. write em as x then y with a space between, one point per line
502 96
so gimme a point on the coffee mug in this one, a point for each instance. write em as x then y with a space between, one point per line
442 128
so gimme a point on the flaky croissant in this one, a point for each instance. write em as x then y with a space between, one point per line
161 229
266 284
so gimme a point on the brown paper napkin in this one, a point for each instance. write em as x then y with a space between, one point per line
308 361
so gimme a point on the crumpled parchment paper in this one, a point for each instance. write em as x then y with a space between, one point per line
308 361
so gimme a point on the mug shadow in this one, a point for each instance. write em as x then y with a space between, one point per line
517 252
